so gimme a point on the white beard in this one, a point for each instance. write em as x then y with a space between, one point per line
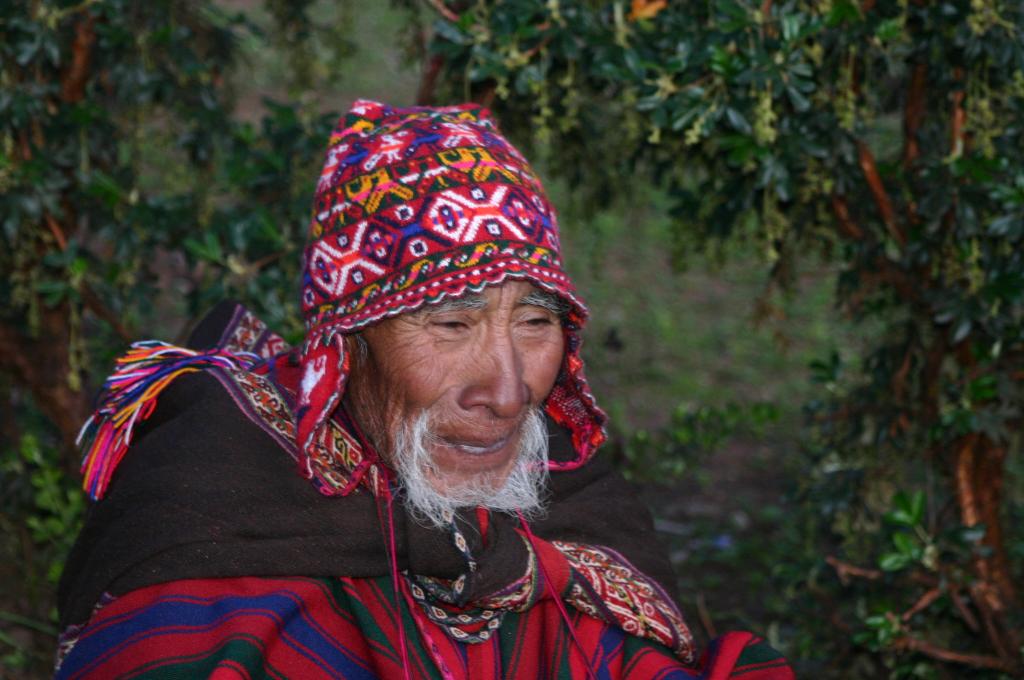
522 490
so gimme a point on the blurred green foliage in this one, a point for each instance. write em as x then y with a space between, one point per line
131 198
39 517
157 157
885 138
689 438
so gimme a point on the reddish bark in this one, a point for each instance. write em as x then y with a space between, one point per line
951 656
43 365
55 229
428 81
978 472
978 479
958 119
72 86
868 166
847 226
42 361
485 97
962 609
844 570
95 305
923 602
448 14
767 30
913 113
899 378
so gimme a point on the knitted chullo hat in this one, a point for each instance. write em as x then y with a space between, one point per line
414 205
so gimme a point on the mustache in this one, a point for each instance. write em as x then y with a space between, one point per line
483 428
523 490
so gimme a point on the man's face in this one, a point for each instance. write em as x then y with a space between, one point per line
473 369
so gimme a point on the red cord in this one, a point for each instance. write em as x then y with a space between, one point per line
557 597
394 582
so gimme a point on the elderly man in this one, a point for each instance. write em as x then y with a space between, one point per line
449 518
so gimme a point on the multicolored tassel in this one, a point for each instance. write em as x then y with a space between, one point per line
129 397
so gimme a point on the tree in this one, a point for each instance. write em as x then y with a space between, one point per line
131 198
887 136
119 148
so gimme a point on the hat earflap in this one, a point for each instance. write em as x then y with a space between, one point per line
325 367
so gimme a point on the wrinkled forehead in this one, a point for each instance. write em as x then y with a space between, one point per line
525 294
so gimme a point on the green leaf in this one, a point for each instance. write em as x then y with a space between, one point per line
737 121
633 63
686 117
906 545
207 249
103 187
843 11
908 510
78 266
451 33
894 561
1005 224
791 24
983 388
963 329
722 62
797 99
889 30
972 534
52 291
27 50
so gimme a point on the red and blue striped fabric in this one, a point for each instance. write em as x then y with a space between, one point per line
347 628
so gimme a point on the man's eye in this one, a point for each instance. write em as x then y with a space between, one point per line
539 321
449 324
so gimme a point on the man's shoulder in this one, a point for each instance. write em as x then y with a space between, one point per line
197 475
200 429
204 492
203 392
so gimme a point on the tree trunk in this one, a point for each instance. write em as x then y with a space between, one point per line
978 476
42 365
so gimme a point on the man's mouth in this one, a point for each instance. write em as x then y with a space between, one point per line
475 447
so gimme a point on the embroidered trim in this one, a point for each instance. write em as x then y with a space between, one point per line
338 461
247 333
129 397
521 594
67 640
433 277
444 601
606 586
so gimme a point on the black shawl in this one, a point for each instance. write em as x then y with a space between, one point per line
204 492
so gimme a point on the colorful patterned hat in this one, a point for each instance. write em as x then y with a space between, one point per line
413 205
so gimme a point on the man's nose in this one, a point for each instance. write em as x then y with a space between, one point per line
496 381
